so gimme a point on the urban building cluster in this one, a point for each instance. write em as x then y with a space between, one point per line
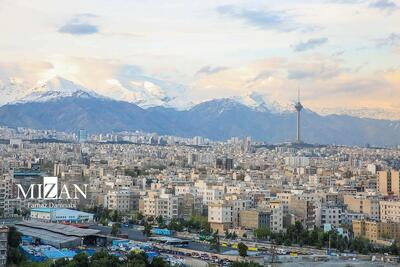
238 185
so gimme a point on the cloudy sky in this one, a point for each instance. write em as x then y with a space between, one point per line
343 54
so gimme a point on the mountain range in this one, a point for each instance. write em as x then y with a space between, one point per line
62 105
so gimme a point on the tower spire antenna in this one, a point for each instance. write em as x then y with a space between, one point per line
298 107
298 95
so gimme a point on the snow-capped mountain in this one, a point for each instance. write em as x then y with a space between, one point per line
366 112
12 89
218 119
55 88
141 90
261 102
148 92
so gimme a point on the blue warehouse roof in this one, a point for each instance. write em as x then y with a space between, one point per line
66 212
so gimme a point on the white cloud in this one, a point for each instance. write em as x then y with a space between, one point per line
246 46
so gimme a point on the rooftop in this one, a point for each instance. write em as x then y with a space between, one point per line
63 229
67 212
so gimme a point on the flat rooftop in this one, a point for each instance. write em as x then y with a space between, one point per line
46 234
67 212
67 230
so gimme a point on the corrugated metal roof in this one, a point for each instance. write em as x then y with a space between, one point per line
63 229
46 235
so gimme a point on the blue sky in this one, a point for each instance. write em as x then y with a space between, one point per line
342 53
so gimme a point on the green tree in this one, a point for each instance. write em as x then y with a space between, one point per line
147 230
103 259
160 221
115 230
242 248
137 259
234 236
139 216
158 262
176 224
262 233
394 249
116 217
215 242
228 235
150 219
60 263
14 255
361 245
81 260
14 237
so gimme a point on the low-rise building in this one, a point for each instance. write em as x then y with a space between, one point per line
60 215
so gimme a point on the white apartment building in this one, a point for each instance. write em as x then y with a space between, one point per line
211 194
276 218
120 200
185 189
220 215
284 198
329 214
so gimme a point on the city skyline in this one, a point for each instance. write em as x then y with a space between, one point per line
346 51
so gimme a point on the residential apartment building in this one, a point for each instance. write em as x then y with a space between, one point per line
3 245
159 203
276 217
363 204
377 232
329 213
390 211
388 183
120 200
254 219
220 215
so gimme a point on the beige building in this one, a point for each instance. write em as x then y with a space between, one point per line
304 210
123 201
388 183
377 232
220 215
390 211
159 203
362 204
254 219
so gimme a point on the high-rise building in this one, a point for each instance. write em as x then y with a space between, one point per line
82 135
388 183
247 144
298 106
224 164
